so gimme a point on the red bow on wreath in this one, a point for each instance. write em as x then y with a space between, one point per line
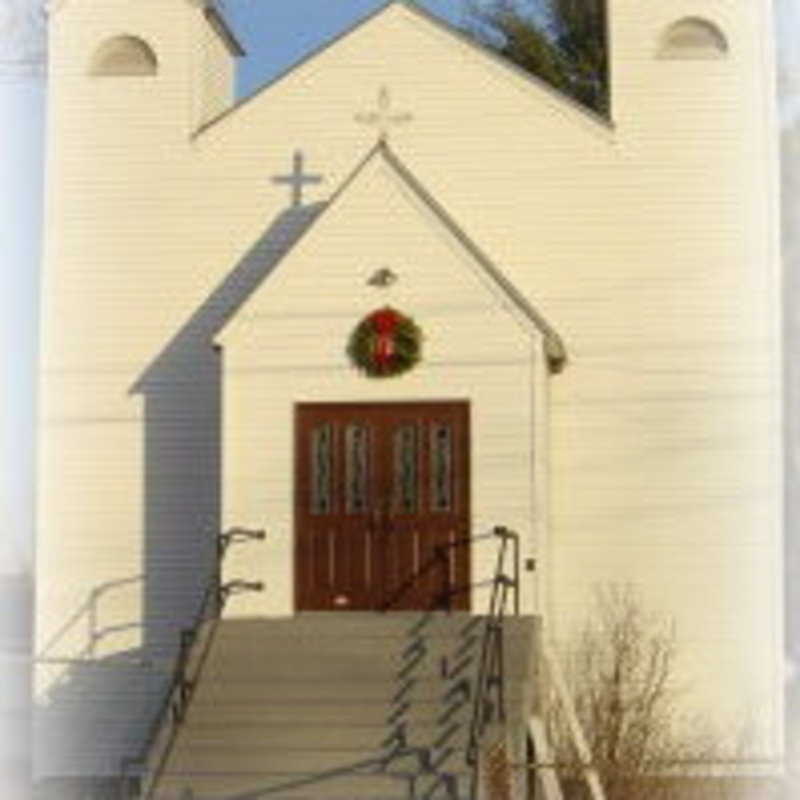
385 343
384 323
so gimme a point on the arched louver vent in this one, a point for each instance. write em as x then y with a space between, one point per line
693 38
124 55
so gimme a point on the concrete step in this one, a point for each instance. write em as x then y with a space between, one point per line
366 784
220 759
219 691
313 711
419 732
201 761
331 629
296 666
352 682
235 635
286 786
292 736
332 624
427 682
324 716
329 626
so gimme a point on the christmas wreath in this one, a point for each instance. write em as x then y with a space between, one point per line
385 343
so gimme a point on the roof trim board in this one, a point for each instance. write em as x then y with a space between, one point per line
223 30
554 346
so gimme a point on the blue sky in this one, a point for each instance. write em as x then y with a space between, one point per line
277 33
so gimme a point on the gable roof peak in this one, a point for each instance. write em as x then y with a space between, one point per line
517 303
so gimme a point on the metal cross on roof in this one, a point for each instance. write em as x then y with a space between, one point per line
297 179
384 118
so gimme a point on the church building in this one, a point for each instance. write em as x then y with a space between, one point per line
404 306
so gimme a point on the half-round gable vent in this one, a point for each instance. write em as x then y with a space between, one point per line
693 38
124 55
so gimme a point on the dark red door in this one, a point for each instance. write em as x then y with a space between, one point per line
382 506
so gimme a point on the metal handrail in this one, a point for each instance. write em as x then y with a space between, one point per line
589 771
439 560
491 667
175 701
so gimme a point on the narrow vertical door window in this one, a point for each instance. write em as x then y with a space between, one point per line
406 469
356 469
441 467
322 469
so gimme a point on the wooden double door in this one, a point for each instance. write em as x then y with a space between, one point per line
382 506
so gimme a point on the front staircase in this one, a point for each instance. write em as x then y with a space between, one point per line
349 705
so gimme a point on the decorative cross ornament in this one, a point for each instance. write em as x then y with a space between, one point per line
297 179
384 118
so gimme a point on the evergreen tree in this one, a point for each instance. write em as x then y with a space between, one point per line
561 41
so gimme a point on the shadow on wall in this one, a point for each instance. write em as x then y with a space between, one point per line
182 390
77 729
98 710
95 711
